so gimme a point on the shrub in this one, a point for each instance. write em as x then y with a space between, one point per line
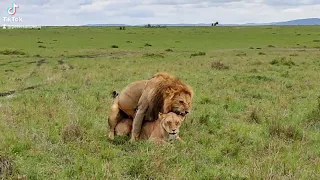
72 132
282 61
218 65
198 54
6 167
241 54
153 55
12 52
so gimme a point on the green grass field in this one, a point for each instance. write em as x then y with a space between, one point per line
255 114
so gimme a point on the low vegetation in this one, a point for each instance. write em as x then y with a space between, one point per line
255 113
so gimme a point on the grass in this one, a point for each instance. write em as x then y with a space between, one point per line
255 114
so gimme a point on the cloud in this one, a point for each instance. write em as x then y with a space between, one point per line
291 2
186 2
79 12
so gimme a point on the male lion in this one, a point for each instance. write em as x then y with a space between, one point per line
164 129
143 100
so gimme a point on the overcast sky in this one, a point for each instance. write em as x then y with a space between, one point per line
134 12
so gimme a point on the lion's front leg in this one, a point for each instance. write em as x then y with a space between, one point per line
142 107
137 124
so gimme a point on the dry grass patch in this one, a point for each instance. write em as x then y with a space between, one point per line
6 167
218 65
72 132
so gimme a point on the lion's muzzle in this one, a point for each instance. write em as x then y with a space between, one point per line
182 113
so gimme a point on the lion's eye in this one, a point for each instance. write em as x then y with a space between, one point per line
169 123
181 102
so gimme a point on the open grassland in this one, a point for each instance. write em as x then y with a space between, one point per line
255 115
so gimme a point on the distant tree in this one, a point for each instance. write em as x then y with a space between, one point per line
216 23
212 24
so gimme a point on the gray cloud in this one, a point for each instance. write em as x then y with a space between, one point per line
138 14
185 2
291 2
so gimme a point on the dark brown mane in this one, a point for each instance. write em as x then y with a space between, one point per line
156 102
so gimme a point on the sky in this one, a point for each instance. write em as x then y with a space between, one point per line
139 12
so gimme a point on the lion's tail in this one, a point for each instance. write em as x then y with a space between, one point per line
115 94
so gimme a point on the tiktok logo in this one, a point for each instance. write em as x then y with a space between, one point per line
13 9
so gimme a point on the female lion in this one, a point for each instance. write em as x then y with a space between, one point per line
164 129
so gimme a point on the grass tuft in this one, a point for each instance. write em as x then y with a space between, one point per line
6 167
313 118
198 54
147 44
254 116
218 65
12 52
153 55
285 132
282 61
241 54
72 132
114 46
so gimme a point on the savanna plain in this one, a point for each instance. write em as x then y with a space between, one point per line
255 113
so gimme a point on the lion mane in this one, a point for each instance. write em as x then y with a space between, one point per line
161 98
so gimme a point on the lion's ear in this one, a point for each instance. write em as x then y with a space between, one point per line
160 115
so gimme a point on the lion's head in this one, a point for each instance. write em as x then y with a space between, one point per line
171 95
171 122
180 102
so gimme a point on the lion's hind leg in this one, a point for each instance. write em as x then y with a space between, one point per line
113 118
124 127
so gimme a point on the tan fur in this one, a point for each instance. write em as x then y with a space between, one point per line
156 131
143 100
124 127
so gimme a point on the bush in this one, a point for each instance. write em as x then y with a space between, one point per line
282 61
12 52
218 65
198 54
